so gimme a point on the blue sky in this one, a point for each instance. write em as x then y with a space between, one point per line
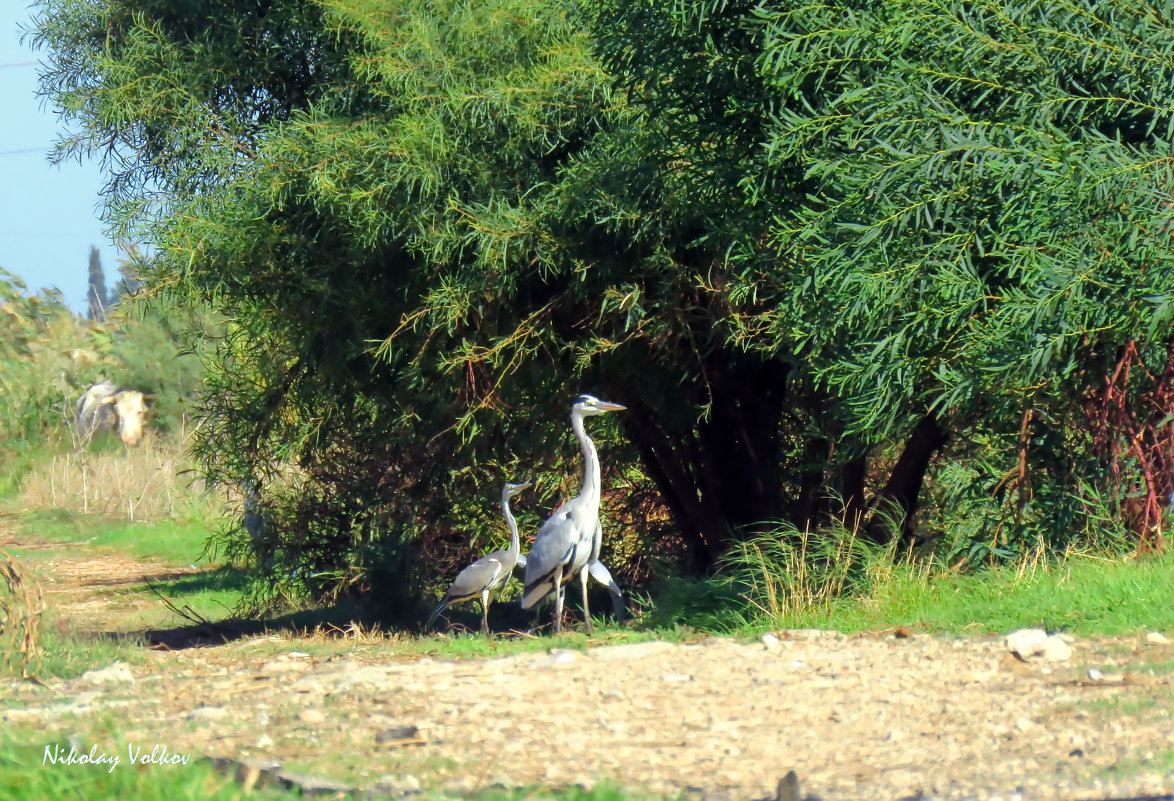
48 214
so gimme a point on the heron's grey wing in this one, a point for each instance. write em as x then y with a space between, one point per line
476 577
554 547
603 576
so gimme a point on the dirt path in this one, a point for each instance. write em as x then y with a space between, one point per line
866 717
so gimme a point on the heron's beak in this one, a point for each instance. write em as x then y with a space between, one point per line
522 485
606 406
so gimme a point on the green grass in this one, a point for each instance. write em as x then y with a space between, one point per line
1082 595
18 458
1161 762
471 645
211 594
27 773
65 653
865 591
180 541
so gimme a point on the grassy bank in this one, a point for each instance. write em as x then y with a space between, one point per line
851 587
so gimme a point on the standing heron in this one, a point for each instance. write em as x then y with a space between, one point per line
598 571
569 541
489 573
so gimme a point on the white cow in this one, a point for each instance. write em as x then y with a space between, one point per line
106 407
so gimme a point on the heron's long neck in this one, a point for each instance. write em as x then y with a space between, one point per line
515 546
590 459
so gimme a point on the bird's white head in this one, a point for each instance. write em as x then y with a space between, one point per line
513 489
588 405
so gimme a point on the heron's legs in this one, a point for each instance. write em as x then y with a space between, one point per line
586 610
558 599
485 612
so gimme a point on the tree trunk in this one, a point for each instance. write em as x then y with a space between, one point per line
852 474
806 510
677 488
900 495
722 472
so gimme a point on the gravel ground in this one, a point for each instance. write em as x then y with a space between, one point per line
872 717
863 717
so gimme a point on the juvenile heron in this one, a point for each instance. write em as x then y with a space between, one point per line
569 540
489 573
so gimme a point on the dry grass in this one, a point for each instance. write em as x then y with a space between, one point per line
20 615
146 483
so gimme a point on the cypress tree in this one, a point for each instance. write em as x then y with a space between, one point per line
96 297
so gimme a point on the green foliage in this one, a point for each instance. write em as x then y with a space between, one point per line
151 354
799 241
46 353
969 203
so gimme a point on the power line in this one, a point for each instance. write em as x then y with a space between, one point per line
24 150
19 64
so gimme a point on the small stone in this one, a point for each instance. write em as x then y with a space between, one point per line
396 733
308 785
634 650
264 741
771 642
1156 638
461 785
810 634
312 716
1026 643
1056 649
1023 723
1036 643
208 713
788 788
397 784
117 673
1095 675
557 657
280 665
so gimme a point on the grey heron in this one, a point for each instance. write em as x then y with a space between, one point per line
598 571
489 573
569 540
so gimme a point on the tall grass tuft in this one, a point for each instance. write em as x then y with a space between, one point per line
784 572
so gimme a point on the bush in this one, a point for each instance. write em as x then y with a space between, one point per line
50 356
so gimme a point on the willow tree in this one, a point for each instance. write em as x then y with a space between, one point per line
433 224
979 247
